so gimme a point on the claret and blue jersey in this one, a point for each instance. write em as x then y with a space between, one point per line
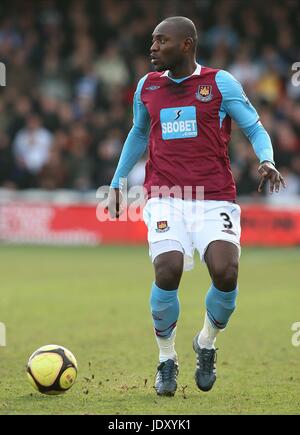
187 124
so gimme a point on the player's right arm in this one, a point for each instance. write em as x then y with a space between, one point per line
134 147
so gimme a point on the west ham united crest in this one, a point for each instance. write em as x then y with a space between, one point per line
204 93
162 226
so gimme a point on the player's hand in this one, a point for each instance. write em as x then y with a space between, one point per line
268 172
114 203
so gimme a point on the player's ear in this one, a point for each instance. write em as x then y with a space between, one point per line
188 43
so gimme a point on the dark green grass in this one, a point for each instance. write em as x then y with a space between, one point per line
95 302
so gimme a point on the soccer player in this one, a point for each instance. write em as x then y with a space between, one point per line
183 111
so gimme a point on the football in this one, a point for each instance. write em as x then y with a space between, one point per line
52 369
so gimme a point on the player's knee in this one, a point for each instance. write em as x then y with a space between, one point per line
168 270
225 276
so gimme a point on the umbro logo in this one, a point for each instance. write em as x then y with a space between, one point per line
152 88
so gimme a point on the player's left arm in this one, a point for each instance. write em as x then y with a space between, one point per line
236 104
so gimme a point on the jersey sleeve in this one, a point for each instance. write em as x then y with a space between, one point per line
261 142
236 104
137 139
234 100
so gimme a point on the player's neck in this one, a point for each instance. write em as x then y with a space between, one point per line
183 70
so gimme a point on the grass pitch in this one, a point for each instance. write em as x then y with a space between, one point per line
94 301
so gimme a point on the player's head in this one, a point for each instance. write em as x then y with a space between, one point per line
174 41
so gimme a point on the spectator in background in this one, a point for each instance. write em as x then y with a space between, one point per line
80 164
107 155
53 82
53 174
286 143
49 107
111 68
31 148
78 63
222 32
245 70
6 163
83 53
22 109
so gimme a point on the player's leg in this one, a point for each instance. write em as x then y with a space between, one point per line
165 303
165 312
169 248
222 259
220 250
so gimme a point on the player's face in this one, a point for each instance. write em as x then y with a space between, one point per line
166 49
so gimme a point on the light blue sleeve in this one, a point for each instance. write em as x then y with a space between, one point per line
236 104
137 139
261 142
234 100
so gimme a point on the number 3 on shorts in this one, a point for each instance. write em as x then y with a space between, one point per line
227 222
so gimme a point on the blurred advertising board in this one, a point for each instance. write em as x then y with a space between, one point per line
39 223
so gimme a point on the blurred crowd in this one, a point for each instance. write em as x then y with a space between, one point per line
72 67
